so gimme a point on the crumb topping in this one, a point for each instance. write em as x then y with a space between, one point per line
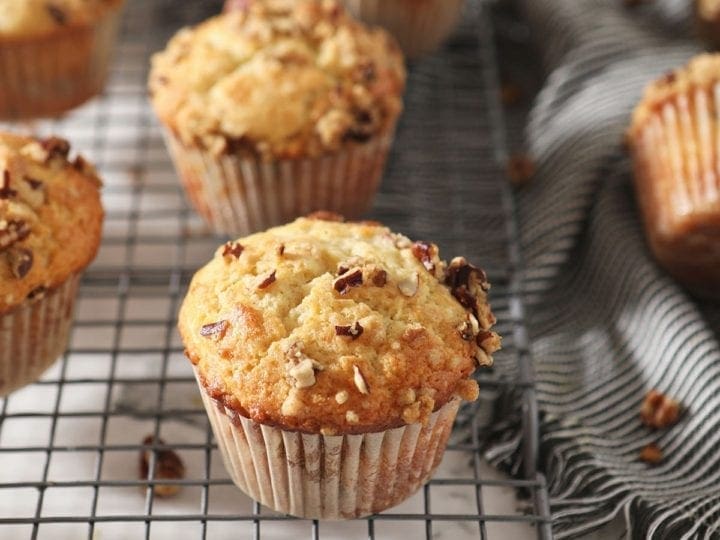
279 79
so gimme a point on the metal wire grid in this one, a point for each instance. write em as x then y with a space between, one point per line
69 445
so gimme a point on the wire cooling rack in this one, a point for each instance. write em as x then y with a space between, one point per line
70 444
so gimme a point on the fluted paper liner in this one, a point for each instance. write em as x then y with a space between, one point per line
419 26
34 335
677 176
238 195
329 477
51 74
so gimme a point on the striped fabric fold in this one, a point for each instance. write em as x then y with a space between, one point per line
606 323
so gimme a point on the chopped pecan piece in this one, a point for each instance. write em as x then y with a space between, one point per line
348 280
34 184
281 250
427 254
378 277
233 249
651 454
11 232
214 330
466 282
21 261
359 381
520 169
6 192
354 331
409 286
168 466
465 330
269 280
57 14
489 342
38 293
659 411
56 147
301 367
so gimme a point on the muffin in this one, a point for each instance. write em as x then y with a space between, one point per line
332 358
53 55
50 226
278 109
420 26
707 21
674 141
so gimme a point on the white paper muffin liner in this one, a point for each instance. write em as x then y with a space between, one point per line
34 335
681 211
329 477
420 26
237 196
48 75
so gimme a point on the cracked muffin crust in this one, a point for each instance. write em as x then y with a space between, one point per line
279 79
50 217
336 328
21 18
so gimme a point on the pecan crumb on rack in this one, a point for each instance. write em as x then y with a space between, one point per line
651 454
354 331
233 249
659 411
510 94
167 466
520 169
6 192
348 280
214 330
269 280
21 261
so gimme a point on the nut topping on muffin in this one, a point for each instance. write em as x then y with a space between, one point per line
358 334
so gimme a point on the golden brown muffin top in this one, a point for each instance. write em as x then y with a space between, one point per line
703 71
34 17
50 217
279 79
337 328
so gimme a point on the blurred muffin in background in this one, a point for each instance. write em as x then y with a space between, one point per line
50 228
420 26
54 54
707 21
674 139
278 108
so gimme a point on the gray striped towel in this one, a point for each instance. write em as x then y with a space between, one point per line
606 323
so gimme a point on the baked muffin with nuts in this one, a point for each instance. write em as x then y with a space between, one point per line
276 109
341 342
50 227
673 138
55 54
